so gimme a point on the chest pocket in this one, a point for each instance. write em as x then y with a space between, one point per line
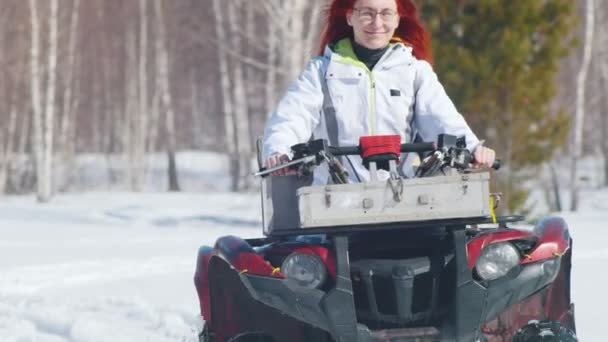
342 100
343 85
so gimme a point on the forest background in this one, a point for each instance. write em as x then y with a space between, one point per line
124 80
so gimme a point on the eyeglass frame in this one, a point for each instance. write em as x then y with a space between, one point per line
375 13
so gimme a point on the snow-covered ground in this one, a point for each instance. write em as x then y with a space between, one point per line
109 267
117 267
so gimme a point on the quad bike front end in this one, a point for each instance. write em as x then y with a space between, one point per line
421 259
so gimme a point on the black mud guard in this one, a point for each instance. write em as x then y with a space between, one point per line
235 311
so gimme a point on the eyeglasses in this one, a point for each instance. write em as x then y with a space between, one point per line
368 15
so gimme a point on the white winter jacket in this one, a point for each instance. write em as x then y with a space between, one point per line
338 98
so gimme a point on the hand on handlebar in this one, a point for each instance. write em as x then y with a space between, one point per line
276 160
484 157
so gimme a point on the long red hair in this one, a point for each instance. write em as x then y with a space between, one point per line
411 30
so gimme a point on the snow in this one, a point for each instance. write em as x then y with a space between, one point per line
110 266
114 267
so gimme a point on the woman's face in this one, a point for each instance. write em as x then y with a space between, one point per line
373 22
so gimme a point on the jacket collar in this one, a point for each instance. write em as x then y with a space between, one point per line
343 52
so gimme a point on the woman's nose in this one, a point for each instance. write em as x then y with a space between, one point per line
377 21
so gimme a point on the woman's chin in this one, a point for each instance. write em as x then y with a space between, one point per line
375 44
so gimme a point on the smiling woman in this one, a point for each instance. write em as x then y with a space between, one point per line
373 22
400 21
374 77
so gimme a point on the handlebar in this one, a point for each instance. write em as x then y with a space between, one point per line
405 148
449 151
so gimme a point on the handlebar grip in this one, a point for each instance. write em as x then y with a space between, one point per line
345 151
497 164
418 147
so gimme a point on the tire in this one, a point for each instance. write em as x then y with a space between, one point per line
546 331
252 337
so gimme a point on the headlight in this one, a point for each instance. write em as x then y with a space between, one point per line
497 260
304 270
551 267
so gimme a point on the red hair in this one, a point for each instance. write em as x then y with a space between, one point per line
410 30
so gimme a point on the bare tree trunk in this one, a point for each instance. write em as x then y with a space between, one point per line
154 122
556 188
67 118
25 176
580 104
197 125
296 36
24 134
604 118
313 22
110 122
242 138
140 117
602 59
271 74
6 147
163 80
131 103
49 117
7 132
38 143
226 93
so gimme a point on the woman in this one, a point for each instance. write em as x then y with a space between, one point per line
374 78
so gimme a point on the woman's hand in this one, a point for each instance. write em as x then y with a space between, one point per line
484 157
276 160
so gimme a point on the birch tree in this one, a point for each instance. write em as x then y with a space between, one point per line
604 117
49 117
225 91
139 123
38 142
131 103
43 120
12 104
272 59
162 57
7 131
580 103
602 59
7 138
242 138
66 137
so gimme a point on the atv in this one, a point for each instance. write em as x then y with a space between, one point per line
423 258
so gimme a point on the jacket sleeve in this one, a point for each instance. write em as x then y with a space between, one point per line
298 112
435 112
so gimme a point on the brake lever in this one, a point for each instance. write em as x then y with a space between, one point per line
263 172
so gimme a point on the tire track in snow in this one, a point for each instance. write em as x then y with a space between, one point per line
93 320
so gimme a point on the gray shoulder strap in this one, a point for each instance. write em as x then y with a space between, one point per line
329 113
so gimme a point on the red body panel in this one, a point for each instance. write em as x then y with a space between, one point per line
201 281
552 238
553 241
476 246
255 264
552 304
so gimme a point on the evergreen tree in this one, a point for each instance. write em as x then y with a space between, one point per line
498 61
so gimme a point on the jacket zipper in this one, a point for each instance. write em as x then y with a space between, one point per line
372 93
372 103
